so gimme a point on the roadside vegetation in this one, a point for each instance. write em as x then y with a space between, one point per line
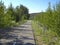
46 26
12 16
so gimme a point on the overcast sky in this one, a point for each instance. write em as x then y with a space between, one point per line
34 6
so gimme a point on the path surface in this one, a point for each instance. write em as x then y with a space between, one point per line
21 35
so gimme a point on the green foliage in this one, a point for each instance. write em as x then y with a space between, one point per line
50 18
24 11
21 11
51 21
9 16
10 10
5 21
5 18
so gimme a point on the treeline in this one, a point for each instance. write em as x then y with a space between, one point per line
51 18
11 14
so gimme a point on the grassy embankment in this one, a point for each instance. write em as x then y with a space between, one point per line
42 37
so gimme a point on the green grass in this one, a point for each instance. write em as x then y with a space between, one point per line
47 38
37 32
18 23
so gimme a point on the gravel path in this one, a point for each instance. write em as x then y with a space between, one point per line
21 35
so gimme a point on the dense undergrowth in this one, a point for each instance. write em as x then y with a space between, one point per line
44 36
50 23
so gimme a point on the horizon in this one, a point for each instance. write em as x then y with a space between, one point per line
34 6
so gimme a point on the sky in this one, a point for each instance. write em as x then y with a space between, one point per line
34 6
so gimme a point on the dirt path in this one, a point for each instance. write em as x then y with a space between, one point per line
21 35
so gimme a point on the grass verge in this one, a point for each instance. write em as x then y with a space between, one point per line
42 37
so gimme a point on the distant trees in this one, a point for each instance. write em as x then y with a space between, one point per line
21 13
7 15
24 11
